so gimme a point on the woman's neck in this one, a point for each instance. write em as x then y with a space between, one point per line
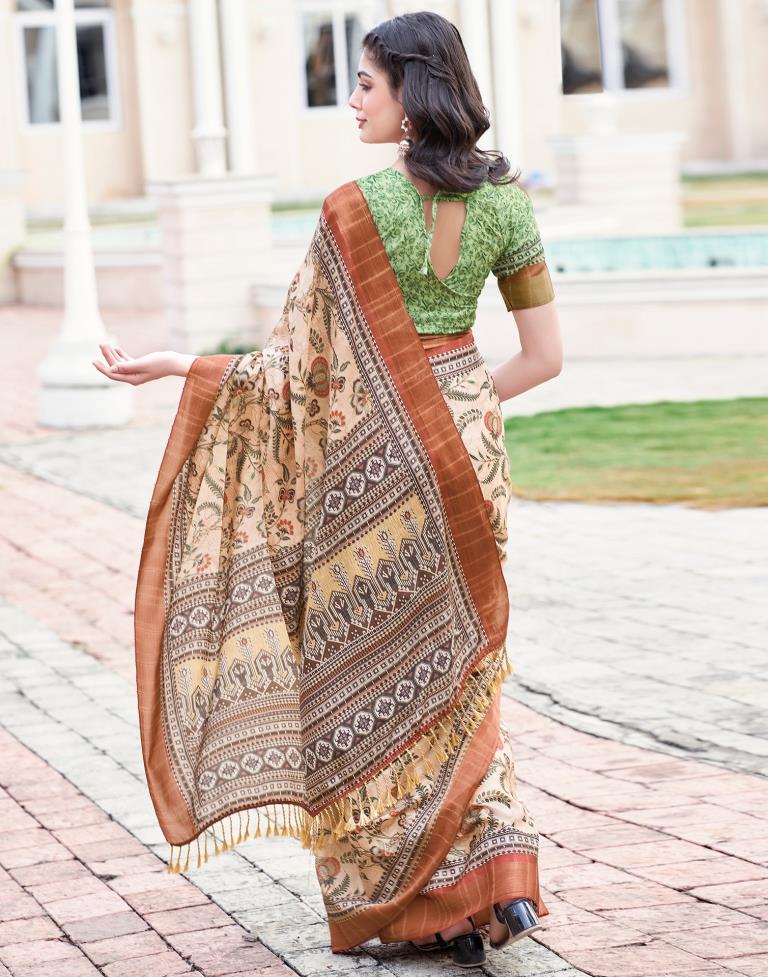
421 185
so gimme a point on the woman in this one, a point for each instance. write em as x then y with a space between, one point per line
321 612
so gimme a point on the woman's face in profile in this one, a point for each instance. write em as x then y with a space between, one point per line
378 114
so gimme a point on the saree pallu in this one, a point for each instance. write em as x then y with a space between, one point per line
321 611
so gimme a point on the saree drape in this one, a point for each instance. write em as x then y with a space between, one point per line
321 611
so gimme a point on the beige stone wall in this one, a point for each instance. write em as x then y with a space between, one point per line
756 70
163 88
707 117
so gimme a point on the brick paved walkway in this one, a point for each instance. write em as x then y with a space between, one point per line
653 864
647 861
81 896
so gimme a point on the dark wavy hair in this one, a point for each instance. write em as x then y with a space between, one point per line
424 53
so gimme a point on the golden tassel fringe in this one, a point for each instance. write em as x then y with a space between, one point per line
370 801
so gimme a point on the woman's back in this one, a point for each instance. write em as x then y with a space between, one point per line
442 255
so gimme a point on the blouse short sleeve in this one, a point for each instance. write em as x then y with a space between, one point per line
520 269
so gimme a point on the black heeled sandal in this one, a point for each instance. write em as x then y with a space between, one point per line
467 949
520 918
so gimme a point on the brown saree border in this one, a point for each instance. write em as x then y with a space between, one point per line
197 399
382 302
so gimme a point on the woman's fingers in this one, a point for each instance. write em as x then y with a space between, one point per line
108 371
113 374
109 354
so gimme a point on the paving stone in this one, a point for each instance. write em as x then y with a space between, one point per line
158 900
588 936
661 852
581 875
78 967
527 959
314 963
656 958
65 889
142 881
27 930
622 895
15 818
73 817
17 956
99 851
289 940
106 830
17 905
163 964
272 895
221 951
746 939
710 871
49 851
189 919
86 907
49 872
123 947
104 927
657 920
128 865
737 895
613 835
753 966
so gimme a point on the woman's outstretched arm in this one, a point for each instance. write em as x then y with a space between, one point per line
140 369
541 354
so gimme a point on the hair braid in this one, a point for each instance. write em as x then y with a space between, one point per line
434 66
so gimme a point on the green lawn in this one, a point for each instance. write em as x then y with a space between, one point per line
710 453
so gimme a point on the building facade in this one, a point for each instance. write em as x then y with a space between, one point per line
174 87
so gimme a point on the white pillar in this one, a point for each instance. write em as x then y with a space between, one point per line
238 85
73 392
474 32
734 67
209 134
507 81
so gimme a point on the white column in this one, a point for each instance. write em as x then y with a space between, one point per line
474 32
507 82
238 85
734 67
74 393
209 134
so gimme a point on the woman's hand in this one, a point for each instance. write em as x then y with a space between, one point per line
140 369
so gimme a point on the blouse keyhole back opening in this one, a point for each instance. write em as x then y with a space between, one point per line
443 249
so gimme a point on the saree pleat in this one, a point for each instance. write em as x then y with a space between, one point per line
321 611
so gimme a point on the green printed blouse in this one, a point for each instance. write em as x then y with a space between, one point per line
499 235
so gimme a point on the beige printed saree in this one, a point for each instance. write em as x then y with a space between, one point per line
321 612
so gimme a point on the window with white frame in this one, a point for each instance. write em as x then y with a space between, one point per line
96 60
620 45
330 44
